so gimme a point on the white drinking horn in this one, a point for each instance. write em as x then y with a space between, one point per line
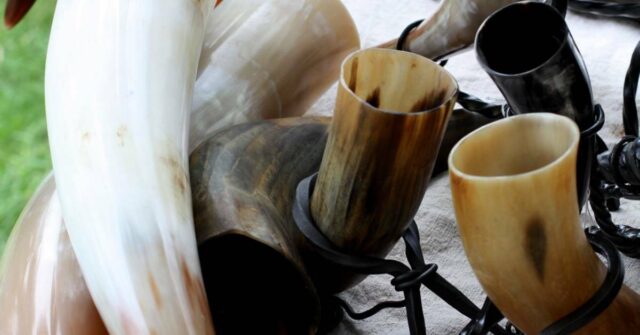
118 88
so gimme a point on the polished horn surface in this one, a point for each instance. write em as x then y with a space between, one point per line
390 116
268 59
244 180
513 188
42 290
452 28
118 86
538 68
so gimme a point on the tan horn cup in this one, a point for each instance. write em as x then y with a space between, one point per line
513 187
390 117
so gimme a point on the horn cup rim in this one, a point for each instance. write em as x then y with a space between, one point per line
518 121
551 13
453 83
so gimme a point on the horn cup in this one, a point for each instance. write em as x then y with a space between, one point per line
518 217
538 68
390 117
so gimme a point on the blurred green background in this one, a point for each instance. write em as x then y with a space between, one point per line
24 151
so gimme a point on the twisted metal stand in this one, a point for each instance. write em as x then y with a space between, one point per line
409 280
616 173
607 8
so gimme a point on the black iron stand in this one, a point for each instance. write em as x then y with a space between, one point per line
607 8
410 279
616 173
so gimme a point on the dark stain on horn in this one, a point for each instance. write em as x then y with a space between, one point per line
353 82
536 246
429 102
523 238
374 98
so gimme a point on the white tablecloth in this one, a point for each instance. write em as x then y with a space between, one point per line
606 45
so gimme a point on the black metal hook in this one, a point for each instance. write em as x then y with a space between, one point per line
607 8
406 279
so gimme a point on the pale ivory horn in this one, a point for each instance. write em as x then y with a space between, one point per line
42 290
44 196
513 187
119 80
268 59
390 117
452 28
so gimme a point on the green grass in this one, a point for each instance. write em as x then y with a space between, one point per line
24 150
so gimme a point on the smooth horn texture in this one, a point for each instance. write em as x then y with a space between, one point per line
452 28
15 10
390 116
118 93
42 290
542 70
513 188
461 123
244 180
268 59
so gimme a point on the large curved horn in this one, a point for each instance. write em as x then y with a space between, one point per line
294 78
119 81
244 180
42 290
450 29
15 10
518 215
268 59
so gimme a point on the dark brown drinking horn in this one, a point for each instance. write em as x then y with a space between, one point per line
243 182
390 116
538 68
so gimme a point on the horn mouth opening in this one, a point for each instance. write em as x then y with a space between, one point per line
254 289
520 38
396 82
515 147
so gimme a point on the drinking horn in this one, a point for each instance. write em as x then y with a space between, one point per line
42 290
118 89
244 180
48 195
513 189
15 10
390 116
541 71
268 59
451 29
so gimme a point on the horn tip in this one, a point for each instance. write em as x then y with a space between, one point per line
15 10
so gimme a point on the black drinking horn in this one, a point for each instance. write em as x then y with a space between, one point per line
560 5
538 68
